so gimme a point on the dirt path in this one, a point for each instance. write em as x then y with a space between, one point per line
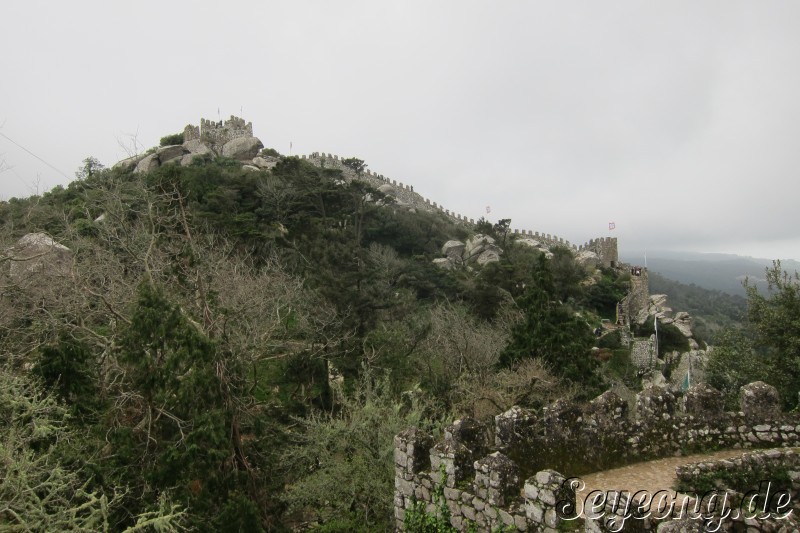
651 476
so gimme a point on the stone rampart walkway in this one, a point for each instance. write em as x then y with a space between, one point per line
651 476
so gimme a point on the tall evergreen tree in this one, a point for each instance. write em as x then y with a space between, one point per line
551 331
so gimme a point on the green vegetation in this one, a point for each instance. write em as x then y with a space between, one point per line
767 348
89 168
670 337
170 140
741 481
225 347
712 311
418 520
355 164
620 367
270 152
42 487
551 331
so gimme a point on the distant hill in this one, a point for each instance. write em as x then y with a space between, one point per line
712 310
721 272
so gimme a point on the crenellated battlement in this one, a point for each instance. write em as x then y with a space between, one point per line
216 133
604 247
512 473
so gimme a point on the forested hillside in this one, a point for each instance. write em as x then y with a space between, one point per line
712 310
232 350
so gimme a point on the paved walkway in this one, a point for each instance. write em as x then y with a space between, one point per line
651 476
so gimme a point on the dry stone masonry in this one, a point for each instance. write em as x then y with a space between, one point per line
512 474
770 478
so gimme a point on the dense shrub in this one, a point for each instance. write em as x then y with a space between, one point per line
270 152
170 140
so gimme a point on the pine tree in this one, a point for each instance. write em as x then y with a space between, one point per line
552 332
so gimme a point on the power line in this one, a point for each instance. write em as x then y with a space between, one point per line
32 154
5 167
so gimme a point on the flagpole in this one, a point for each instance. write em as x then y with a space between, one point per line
655 327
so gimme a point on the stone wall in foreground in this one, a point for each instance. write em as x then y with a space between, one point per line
511 475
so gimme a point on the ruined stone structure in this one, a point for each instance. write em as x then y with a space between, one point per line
512 473
216 134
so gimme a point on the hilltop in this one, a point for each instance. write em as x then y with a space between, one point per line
216 335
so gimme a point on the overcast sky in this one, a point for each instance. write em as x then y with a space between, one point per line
677 120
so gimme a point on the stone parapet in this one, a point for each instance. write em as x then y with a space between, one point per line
481 483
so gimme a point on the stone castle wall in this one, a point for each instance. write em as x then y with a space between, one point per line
634 307
511 474
216 133
604 247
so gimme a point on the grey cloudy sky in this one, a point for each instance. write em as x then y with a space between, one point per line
679 121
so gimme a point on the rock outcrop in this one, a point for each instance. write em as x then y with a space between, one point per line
147 164
480 250
232 138
242 148
537 245
265 162
37 255
588 258
167 154
197 147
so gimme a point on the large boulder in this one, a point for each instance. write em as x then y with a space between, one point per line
265 163
481 249
477 244
537 245
657 306
489 256
187 159
198 147
606 410
443 262
684 323
147 164
588 258
129 163
533 243
170 153
453 250
242 148
37 255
